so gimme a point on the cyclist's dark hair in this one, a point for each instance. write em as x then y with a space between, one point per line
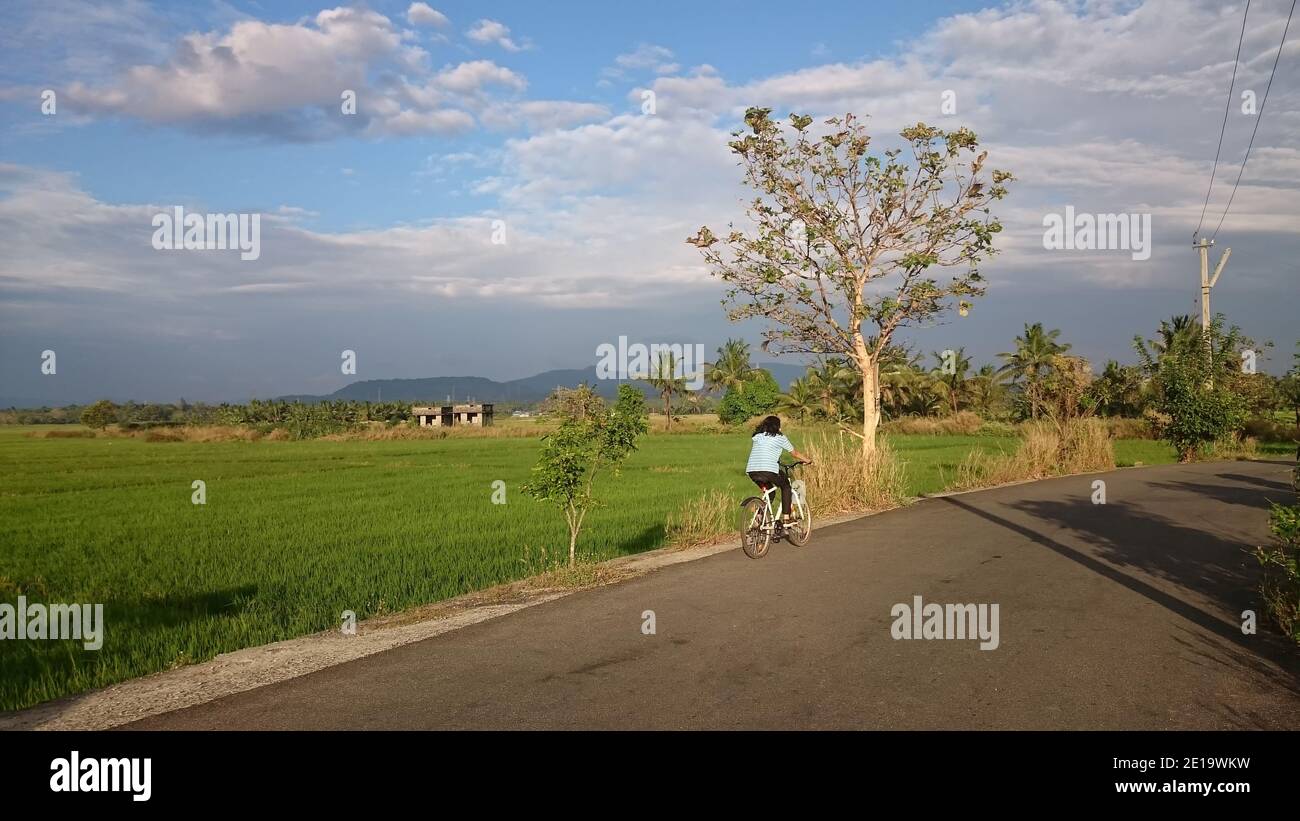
771 426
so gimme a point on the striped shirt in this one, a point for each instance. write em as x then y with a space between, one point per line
766 453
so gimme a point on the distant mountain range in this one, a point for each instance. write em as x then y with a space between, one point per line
481 389
465 388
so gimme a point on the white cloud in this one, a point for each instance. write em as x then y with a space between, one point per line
648 57
645 58
471 77
599 205
288 81
422 14
491 31
543 115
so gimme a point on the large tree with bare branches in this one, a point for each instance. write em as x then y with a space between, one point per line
846 246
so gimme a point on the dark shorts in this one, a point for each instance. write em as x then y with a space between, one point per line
770 479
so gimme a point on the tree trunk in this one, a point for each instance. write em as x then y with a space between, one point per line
870 409
573 547
668 411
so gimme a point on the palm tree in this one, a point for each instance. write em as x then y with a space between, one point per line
665 380
1178 333
833 382
732 368
907 390
799 401
1119 389
1031 360
986 389
951 385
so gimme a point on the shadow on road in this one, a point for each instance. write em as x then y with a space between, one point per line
1128 543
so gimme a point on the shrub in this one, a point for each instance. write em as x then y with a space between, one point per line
99 415
1122 428
63 434
1196 397
756 396
1269 430
1281 584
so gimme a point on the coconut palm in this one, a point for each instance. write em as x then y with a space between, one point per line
799 401
732 368
951 386
1178 333
907 390
1029 363
667 383
833 382
986 390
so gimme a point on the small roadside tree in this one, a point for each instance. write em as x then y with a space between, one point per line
1195 399
581 450
845 243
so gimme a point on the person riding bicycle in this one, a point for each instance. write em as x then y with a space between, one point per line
764 466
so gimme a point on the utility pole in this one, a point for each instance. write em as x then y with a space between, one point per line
1207 282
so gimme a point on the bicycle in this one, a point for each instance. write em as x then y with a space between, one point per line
759 524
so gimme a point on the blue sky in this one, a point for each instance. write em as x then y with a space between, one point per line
377 225
131 162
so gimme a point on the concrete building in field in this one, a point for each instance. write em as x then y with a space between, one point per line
446 416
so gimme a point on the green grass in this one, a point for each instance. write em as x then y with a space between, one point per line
1130 452
294 533
931 462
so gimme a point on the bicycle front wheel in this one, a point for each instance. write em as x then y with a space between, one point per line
754 537
800 530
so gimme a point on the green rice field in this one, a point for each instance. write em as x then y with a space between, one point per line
294 533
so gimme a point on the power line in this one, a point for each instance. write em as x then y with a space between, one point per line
1258 117
1227 106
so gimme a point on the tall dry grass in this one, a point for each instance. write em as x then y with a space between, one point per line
1232 446
840 480
843 480
1124 428
190 433
1047 449
704 519
384 433
369 433
962 423
62 434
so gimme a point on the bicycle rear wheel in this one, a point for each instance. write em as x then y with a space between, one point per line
754 538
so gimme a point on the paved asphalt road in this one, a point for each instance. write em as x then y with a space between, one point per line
1124 615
